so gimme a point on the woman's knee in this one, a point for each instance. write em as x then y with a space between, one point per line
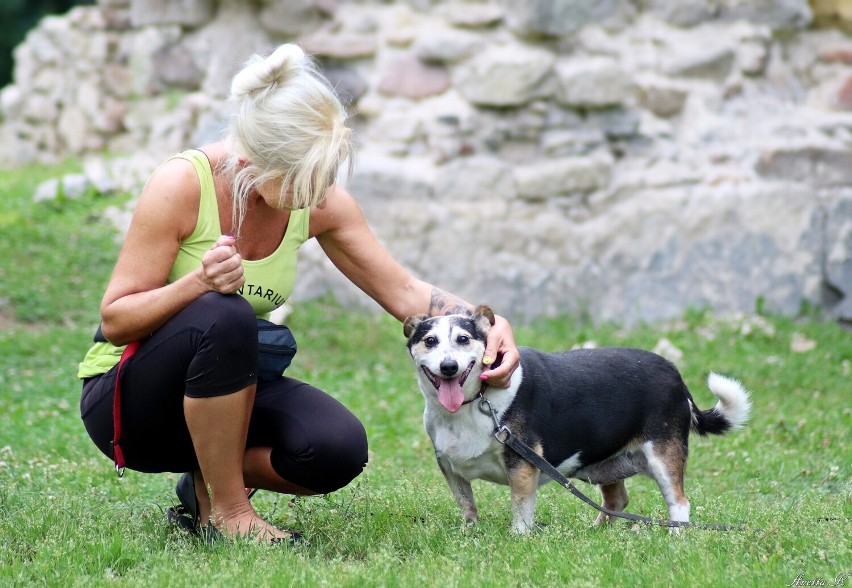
229 319
228 310
225 345
336 456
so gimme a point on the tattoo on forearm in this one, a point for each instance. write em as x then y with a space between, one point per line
446 303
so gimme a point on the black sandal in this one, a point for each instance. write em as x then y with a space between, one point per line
185 515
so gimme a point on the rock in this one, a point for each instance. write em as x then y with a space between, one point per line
821 166
348 83
777 14
559 142
685 13
98 174
47 191
40 108
473 179
713 62
562 17
667 349
383 179
713 233
562 177
11 102
446 45
291 18
474 15
837 53
72 186
837 276
342 45
74 129
799 343
842 99
175 67
408 76
592 83
221 48
661 96
188 13
506 75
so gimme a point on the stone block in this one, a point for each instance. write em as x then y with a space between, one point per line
409 77
186 13
468 179
563 17
343 45
474 14
446 45
292 17
563 177
506 75
592 83
776 14
349 84
816 165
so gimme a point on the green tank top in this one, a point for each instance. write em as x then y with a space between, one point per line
268 281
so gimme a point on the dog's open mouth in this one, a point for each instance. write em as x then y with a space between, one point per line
450 392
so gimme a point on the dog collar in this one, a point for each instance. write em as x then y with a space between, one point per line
482 388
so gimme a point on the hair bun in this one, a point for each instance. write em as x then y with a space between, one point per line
261 74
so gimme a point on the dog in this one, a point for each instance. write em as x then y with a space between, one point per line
598 415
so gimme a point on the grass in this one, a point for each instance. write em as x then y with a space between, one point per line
66 520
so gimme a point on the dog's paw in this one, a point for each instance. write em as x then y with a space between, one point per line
522 527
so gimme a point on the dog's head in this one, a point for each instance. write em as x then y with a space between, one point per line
447 351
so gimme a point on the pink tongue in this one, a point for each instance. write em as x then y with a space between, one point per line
450 394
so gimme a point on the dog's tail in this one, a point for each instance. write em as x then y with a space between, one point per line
731 412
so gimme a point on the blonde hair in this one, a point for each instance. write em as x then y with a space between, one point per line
288 124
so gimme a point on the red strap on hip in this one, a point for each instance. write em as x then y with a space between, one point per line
118 455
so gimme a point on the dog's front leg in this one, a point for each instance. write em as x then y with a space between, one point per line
523 481
462 491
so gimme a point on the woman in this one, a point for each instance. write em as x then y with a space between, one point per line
212 245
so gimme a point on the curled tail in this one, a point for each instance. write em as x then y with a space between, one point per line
731 412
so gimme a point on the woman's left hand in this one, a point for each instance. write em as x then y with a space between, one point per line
500 345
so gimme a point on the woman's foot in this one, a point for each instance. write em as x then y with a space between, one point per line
247 523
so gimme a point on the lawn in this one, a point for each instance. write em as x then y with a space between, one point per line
67 520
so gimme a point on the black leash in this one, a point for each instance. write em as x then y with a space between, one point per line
506 437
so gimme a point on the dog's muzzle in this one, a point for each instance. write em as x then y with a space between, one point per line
450 392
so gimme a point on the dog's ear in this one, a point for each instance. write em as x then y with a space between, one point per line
484 317
411 323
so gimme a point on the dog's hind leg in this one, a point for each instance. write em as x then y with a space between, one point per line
523 482
666 465
614 498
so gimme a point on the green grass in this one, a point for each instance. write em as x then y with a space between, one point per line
65 519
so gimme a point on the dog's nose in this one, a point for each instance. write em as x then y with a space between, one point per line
449 367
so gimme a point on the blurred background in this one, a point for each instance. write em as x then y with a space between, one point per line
617 160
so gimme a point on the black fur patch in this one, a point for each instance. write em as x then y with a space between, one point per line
466 323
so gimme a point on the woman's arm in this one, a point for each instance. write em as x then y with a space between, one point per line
137 300
343 233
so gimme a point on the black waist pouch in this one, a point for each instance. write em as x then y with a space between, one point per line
276 347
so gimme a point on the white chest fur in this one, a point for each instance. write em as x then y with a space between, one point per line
471 456
465 440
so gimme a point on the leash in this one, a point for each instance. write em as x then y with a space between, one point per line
117 453
505 436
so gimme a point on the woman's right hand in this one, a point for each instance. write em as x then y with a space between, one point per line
221 266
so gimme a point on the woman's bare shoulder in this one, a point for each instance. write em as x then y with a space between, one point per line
171 196
338 211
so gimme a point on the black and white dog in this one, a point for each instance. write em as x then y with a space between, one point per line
598 415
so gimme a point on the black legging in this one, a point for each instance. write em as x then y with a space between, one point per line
210 349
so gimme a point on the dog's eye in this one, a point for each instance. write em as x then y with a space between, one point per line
463 340
430 341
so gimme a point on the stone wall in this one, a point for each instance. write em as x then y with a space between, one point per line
615 159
